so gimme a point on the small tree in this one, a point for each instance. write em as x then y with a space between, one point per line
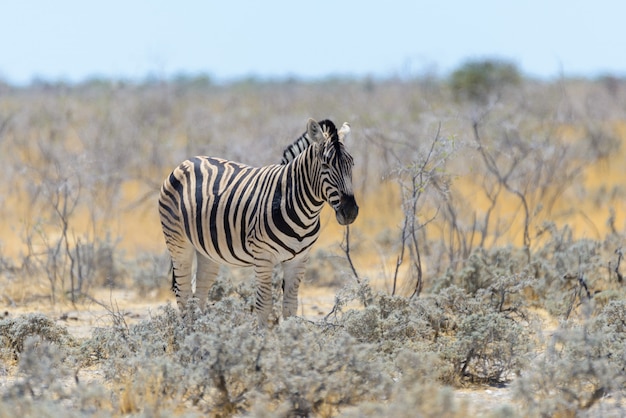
421 175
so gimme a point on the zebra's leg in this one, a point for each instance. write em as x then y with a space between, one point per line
205 278
293 272
182 272
263 305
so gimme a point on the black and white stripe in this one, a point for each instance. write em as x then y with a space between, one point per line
223 212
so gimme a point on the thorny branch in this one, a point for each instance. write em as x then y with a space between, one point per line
345 246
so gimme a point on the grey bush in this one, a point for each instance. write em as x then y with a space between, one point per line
15 331
581 368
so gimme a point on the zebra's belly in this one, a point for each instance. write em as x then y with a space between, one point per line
236 253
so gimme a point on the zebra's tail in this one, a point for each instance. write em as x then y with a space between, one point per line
174 284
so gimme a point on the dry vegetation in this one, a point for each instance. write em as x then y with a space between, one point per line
487 254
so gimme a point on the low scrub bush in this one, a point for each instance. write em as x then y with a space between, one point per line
373 355
479 338
45 382
219 361
581 371
15 331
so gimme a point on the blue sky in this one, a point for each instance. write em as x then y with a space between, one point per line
72 40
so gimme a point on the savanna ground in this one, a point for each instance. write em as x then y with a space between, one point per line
483 277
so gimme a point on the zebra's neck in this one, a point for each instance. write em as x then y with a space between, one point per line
306 180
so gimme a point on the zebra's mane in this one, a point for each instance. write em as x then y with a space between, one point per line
292 151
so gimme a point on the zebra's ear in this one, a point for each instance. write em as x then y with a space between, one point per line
344 132
314 131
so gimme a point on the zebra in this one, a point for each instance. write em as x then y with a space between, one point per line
224 212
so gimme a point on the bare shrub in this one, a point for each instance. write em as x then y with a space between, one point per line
534 170
423 175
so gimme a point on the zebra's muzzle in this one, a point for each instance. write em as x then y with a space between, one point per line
347 210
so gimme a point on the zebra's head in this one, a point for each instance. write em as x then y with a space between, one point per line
336 168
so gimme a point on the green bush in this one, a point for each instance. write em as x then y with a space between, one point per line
480 80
